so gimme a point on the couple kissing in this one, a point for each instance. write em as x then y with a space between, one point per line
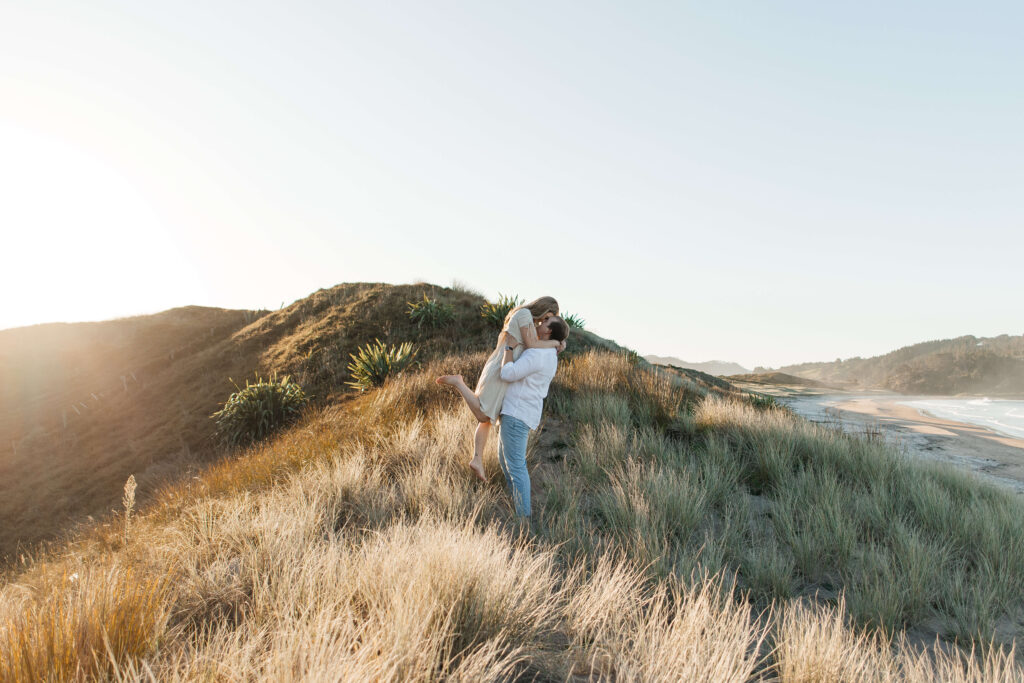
512 388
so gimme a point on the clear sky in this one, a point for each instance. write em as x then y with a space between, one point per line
762 182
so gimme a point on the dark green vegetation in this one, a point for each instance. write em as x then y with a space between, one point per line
574 321
496 313
375 362
258 410
430 312
965 365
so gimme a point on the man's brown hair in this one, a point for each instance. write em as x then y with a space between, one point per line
559 328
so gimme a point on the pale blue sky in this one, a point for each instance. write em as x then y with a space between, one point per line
759 182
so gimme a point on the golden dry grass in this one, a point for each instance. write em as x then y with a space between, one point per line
665 547
86 621
816 644
625 630
374 557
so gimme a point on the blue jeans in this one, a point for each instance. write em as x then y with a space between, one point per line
512 459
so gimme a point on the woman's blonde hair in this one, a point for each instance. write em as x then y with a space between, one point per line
538 308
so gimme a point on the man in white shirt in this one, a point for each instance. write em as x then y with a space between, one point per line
528 380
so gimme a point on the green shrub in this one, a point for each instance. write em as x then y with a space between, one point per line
253 413
574 321
374 363
764 402
430 312
496 313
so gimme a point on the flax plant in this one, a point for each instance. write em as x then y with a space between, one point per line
496 313
430 312
260 408
374 363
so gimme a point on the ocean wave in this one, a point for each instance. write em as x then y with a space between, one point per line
1005 417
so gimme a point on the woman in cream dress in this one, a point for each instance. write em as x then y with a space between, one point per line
485 402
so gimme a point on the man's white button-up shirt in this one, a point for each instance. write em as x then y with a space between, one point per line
528 380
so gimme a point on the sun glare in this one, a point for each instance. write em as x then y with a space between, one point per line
82 241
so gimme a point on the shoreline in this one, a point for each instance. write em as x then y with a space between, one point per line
787 390
993 456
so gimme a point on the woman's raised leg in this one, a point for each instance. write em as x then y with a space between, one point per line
483 428
471 399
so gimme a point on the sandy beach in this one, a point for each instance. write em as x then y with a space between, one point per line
980 449
992 455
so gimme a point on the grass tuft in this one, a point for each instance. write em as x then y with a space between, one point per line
89 623
128 502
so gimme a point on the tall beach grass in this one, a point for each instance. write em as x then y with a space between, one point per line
679 533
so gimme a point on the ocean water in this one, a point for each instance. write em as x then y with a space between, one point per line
1003 416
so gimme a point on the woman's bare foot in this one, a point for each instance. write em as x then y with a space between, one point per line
453 380
477 465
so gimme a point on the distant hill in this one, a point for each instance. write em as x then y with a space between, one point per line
711 367
702 379
966 365
778 378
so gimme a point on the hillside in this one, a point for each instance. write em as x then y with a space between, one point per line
711 367
682 530
992 366
777 378
84 405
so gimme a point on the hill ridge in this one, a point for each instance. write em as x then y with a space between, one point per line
711 367
961 365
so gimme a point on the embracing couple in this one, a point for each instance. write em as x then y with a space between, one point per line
512 388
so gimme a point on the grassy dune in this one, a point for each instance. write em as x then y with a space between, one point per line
681 531
83 406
